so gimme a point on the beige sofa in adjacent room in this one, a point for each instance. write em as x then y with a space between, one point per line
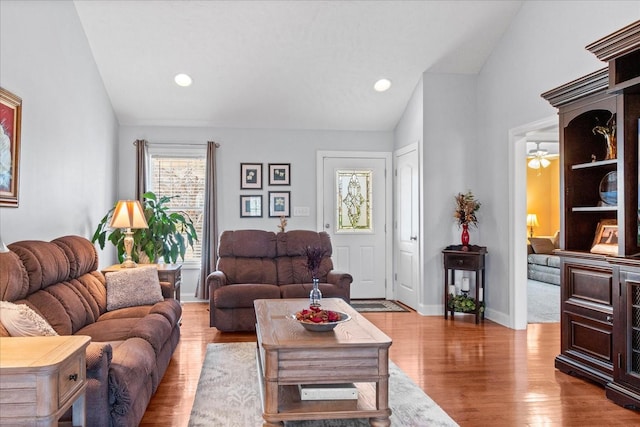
542 264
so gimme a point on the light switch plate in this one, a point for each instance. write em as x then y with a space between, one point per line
301 211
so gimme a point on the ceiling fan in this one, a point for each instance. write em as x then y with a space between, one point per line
539 157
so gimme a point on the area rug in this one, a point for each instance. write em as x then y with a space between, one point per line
228 395
372 305
543 302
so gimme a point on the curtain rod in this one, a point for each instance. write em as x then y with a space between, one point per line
177 144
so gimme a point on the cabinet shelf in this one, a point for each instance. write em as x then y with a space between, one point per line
600 163
627 84
594 209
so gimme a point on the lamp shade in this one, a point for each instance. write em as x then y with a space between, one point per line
532 220
128 214
537 163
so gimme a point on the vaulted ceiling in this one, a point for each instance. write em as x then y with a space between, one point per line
282 64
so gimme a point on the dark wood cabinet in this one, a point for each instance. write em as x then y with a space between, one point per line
584 165
600 292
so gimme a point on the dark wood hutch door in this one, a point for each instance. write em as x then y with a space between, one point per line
625 387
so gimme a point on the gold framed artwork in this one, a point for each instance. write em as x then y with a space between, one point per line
606 239
10 123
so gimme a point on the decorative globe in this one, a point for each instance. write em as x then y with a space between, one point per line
609 189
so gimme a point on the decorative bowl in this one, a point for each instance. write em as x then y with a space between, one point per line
321 327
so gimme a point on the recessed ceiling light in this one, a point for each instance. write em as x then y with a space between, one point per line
382 85
183 80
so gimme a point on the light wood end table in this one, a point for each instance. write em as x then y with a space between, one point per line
288 355
41 378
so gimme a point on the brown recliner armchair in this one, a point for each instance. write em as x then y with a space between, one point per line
257 264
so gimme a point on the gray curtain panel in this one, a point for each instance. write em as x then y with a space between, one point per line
141 167
209 223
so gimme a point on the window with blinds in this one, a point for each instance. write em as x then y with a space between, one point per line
183 176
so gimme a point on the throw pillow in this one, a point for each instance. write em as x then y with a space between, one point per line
541 245
21 321
133 286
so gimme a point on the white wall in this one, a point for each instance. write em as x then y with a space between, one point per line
69 130
449 167
441 115
409 128
252 146
543 49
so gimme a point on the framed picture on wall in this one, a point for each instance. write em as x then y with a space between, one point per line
606 239
279 173
10 123
279 204
250 176
251 206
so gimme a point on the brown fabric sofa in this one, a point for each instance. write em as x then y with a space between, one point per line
131 347
257 264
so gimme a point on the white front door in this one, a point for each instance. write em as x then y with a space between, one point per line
407 226
353 210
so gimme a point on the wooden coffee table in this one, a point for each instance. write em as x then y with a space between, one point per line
288 355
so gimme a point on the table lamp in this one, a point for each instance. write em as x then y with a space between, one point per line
532 221
128 214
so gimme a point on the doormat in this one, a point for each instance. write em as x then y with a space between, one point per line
371 305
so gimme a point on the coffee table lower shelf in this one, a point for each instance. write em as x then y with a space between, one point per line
291 407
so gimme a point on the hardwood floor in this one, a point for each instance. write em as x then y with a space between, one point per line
481 375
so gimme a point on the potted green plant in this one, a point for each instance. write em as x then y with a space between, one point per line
463 303
168 236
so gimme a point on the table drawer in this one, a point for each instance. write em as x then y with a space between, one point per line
589 283
463 262
70 378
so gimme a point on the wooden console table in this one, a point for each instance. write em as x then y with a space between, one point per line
41 378
471 260
170 273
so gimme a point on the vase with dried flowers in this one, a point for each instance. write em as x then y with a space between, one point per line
465 214
314 258
609 133
283 223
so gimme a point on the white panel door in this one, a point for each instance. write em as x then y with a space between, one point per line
407 228
354 215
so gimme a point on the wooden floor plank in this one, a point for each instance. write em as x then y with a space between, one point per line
480 375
